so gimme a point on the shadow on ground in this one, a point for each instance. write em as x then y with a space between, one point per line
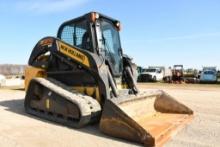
17 106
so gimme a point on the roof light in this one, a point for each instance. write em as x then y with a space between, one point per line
94 16
118 25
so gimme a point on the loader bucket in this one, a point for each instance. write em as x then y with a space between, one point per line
149 118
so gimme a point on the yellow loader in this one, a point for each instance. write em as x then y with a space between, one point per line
82 76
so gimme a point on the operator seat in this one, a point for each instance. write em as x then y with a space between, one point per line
86 45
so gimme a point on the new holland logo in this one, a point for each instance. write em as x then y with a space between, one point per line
73 53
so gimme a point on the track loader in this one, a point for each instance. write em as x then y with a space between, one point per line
82 76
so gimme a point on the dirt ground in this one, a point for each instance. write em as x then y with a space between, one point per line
18 129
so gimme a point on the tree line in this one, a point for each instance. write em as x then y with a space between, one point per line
12 69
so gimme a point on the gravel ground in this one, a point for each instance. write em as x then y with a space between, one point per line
20 129
205 128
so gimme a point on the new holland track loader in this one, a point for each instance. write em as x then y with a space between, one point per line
82 77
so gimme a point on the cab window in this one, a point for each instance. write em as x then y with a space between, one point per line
77 34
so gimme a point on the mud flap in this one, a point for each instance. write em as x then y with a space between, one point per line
149 118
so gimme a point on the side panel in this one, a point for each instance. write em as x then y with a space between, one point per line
73 53
72 66
32 72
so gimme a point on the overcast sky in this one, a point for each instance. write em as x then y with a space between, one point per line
154 32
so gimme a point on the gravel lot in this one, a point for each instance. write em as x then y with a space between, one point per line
20 129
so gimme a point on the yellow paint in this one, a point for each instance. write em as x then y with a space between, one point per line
92 91
47 103
73 53
32 72
122 86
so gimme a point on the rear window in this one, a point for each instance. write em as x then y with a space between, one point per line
77 34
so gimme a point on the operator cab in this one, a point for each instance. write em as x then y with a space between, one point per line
97 34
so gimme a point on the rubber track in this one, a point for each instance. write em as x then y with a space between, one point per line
89 108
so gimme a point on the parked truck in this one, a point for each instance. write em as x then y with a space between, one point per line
155 73
218 75
190 75
209 75
177 74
